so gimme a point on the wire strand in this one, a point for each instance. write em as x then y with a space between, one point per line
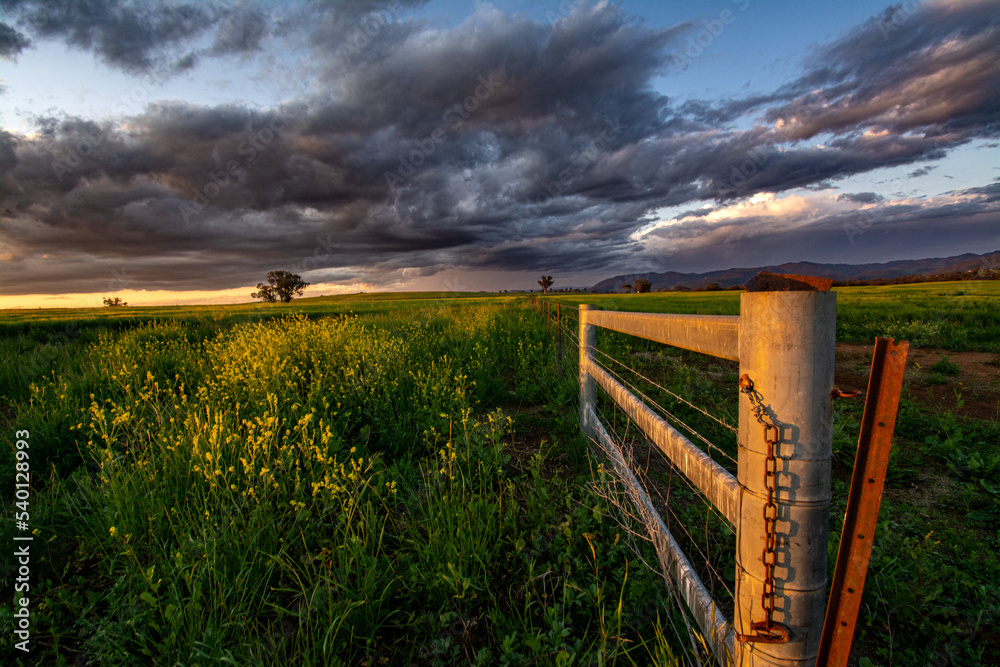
673 518
709 507
711 446
664 389
557 327
679 603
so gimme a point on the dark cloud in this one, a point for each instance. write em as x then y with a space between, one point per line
952 225
137 37
132 36
922 171
8 155
501 143
990 192
861 197
933 69
12 41
241 31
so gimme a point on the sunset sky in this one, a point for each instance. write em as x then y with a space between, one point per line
172 152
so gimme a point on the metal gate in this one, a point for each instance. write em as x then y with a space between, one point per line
778 503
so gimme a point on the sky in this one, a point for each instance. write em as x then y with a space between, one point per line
175 152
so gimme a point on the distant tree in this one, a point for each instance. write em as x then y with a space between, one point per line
641 285
280 285
627 287
114 302
713 287
546 283
265 293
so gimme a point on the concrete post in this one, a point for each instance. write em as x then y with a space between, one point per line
786 347
588 339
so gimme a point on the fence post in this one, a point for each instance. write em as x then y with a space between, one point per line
559 337
786 348
588 339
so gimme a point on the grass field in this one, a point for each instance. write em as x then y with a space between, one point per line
950 315
335 490
374 480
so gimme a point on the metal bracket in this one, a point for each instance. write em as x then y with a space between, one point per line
836 393
764 633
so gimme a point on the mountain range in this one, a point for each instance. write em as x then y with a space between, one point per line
839 272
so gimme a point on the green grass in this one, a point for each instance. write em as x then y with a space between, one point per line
380 480
67 322
325 490
945 366
932 593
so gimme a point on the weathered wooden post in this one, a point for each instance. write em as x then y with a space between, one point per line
588 339
786 352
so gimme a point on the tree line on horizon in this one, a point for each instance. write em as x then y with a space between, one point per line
980 274
284 286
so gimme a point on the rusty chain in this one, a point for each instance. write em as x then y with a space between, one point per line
766 631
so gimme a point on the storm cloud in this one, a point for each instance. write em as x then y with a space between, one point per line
136 37
499 143
842 229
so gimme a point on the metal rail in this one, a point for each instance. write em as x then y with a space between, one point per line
717 483
717 631
716 335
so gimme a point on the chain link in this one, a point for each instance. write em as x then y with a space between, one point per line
766 631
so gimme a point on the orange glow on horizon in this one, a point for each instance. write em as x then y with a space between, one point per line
160 297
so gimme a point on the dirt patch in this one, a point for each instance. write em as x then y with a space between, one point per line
925 493
977 378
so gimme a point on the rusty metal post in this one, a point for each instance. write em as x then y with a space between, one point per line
588 340
877 424
786 350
